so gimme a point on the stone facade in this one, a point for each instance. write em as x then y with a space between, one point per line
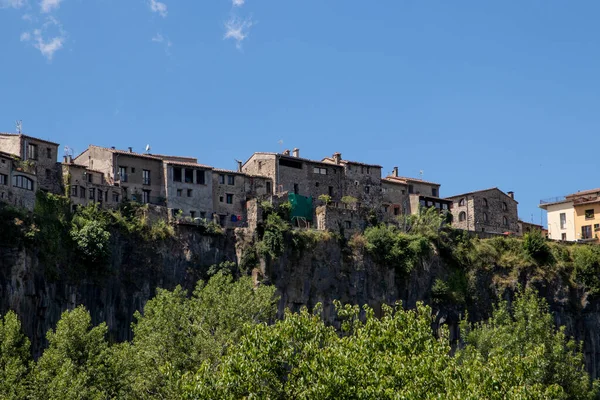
85 186
337 219
526 227
361 181
395 198
489 210
17 184
41 153
189 188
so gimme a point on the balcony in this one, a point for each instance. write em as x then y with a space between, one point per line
553 200
145 181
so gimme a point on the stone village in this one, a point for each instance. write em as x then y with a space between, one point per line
328 194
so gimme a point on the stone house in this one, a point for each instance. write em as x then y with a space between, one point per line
395 198
361 181
41 153
527 227
140 176
293 174
489 210
85 186
18 183
188 188
231 192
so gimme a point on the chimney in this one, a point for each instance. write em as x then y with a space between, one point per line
286 152
511 195
70 159
65 159
112 147
296 152
130 149
337 157
395 172
239 163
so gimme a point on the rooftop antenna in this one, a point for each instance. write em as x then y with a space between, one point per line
68 151
421 174
147 149
19 125
280 142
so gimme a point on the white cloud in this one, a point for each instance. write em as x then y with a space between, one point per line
46 44
237 29
27 17
49 5
238 3
12 3
158 38
158 7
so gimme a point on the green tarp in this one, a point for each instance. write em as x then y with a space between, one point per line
302 206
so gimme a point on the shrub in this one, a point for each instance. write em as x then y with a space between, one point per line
535 246
273 241
325 198
92 241
586 260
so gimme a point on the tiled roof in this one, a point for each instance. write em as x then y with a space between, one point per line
83 166
187 164
474 191
407 179
28 137
394 181
163 156
331 160
583 192
290 157
125 152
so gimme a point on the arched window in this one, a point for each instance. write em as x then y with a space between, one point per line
485 217
504 206
484 202
22 182
461 202
504 221
462 216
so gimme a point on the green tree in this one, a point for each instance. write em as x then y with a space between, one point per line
76 364
14 358
176 334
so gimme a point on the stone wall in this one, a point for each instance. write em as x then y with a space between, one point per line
336 219
395 199
364 183
236 191
486 211
195 200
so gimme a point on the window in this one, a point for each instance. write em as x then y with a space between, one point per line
221 179
48 174
145 196
316 184
176 174
82 192
48 152
202 214
396 210
22 182
124 193
229 198
74 191
320 171
115 197
230 180
563 236
444 206
484 202
385 208
589 214
504 221
434 192
100 196
189 176
485 217
268 187
189 193
123 174
179 192
348 224
586 232
92 193
411 189
331 191
193 214
3 179
200 179
259 165
462 216
504 206
145 176
90 177
461 202
290 163
296 189
563 220
596 227
220 199
32 153
133 170
367 189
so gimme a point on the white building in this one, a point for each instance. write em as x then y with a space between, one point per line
561 219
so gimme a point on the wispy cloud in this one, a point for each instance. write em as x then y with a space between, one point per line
238 3
46 44
27 17
158 38
158 7
12 3
237 29
48 5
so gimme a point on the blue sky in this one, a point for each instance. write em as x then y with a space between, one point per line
476 94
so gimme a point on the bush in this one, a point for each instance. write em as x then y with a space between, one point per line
92 241
586 262
535 246
273 241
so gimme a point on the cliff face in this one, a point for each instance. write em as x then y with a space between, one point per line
323 273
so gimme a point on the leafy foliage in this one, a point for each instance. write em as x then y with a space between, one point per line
14 358
535 245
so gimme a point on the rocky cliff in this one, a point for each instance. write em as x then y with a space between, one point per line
327 270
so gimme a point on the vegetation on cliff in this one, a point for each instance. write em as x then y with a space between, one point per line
222 343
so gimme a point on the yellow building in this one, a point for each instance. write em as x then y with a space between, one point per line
586 206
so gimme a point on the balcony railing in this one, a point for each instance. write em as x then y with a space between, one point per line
553 200
146 181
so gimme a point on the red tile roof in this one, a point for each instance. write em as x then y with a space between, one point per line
583 192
